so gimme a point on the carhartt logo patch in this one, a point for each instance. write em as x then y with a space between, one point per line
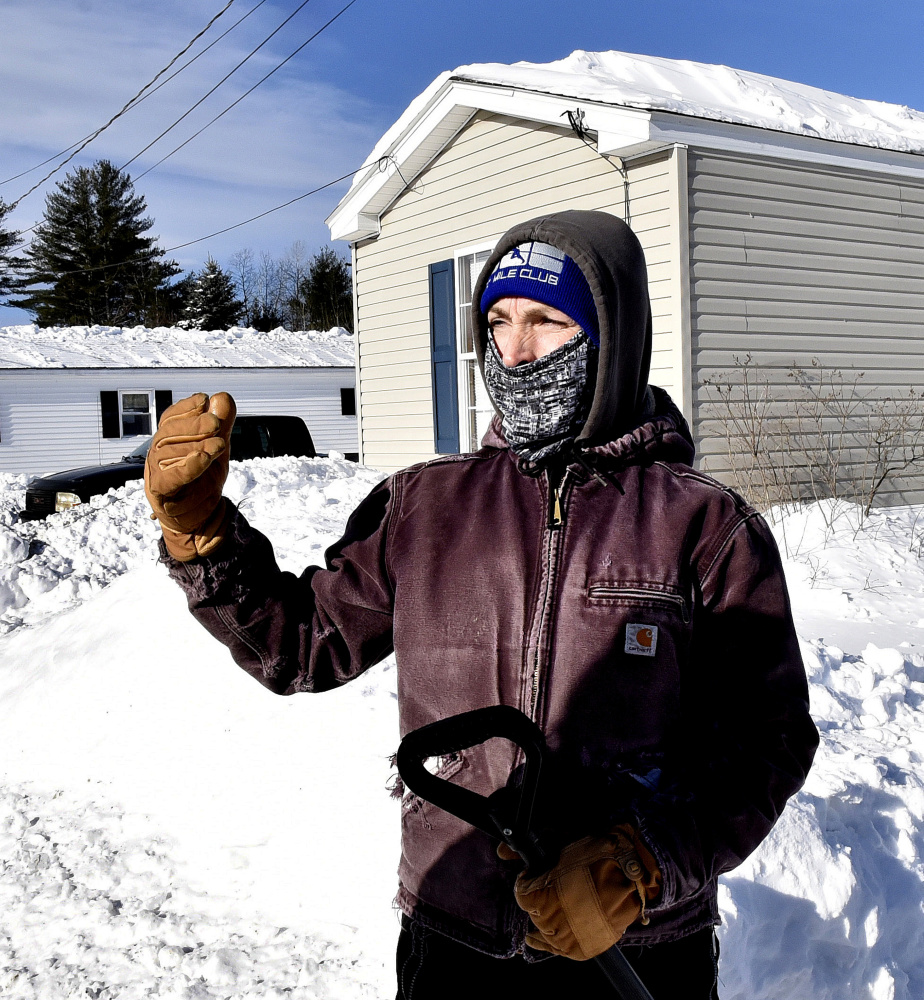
641 640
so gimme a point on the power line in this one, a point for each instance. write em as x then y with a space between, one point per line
227 229
85 142
221 114
269 211
276 208
135 101
188 112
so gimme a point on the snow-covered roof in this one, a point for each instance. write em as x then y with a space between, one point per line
30 346
720 93
632 102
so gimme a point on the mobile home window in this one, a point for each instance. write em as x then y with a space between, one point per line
475 409
136 412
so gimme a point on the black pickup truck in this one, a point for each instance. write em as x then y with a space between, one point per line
251 437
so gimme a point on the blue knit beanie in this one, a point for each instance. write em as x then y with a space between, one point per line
544 273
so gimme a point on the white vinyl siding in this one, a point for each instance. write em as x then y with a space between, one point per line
498 171
794 262
50 418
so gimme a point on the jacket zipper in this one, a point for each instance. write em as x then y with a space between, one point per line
556 520
641 594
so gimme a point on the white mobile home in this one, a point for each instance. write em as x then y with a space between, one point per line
779 221
88 395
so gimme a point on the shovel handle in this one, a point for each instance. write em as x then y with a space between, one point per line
460 732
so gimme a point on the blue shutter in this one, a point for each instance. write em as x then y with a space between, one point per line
443 357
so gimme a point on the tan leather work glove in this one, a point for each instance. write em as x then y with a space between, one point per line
185 471
599 887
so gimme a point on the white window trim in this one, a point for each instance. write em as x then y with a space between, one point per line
151 411
462 359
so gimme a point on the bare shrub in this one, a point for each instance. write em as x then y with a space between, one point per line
824 436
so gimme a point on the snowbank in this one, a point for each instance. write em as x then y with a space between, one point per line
231 837
31 346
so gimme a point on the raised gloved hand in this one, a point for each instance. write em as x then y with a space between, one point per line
185 471
599 887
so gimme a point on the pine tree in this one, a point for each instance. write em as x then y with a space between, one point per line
9 239
212 304
171 302
326 294
89 260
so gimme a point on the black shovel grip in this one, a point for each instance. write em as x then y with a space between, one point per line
460 732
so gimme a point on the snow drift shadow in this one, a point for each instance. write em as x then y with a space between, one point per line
777 944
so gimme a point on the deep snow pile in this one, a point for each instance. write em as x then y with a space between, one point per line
232 843
97 909
32 346
832 905
268 862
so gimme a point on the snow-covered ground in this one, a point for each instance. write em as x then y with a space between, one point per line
169 828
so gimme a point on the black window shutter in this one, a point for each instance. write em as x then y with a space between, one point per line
443 356
162 399
348 402
109 408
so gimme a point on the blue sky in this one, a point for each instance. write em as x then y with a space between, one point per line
66 67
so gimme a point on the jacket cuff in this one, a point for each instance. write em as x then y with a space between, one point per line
670 882
227 576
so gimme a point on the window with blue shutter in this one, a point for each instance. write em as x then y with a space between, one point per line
443 358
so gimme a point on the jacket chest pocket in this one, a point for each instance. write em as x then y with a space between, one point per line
661 600
651 621
634 646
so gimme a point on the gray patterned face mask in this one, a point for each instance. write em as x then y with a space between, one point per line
543 403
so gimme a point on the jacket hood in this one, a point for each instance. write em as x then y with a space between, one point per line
611 259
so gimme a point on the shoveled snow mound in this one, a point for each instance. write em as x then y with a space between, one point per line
268 819
47 566
832 904
93 905
31 346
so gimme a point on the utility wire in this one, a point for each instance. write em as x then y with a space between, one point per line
382 163
188 112
227 229
85 142
221 114
138 98
269 211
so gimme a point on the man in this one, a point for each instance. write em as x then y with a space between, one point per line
577 568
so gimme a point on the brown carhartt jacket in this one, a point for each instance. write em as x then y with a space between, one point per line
631 605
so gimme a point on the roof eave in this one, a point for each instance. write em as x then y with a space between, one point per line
433 121
436 122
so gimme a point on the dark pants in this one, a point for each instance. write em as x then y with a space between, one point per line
432 967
